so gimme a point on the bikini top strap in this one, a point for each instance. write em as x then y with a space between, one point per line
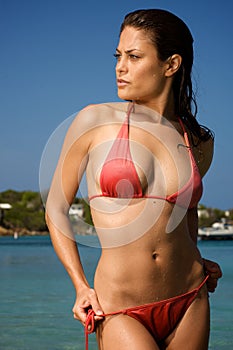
129 110
185 133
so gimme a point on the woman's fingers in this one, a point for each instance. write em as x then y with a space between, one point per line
95 305
87 300
214 271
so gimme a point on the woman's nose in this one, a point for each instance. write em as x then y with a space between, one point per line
121 65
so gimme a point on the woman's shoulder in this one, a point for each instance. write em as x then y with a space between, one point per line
89 121
95 115
105 107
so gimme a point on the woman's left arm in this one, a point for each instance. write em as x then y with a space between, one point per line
211 268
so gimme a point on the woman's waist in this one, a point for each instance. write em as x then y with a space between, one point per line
140 280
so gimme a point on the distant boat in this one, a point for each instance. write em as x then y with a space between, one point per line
219 230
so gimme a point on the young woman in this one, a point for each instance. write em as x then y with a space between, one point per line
144 161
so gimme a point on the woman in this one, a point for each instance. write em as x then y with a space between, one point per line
144 161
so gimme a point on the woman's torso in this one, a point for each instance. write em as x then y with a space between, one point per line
148 254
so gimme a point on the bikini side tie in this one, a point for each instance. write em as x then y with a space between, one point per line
89 325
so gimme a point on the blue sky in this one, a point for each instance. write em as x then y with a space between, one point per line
57 56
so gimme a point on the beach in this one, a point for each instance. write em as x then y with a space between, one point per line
37 296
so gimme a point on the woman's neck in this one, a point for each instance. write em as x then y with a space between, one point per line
165 107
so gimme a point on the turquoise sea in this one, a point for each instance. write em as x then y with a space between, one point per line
36 296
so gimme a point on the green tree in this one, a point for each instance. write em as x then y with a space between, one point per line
27 210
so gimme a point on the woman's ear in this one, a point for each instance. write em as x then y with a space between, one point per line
173 65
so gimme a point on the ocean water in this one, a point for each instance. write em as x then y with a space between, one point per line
36 296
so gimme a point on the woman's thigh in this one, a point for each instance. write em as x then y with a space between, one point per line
192 333
124 332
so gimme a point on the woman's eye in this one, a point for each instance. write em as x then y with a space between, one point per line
130 56
134 57
117 56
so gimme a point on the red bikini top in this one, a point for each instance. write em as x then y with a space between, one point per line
119 178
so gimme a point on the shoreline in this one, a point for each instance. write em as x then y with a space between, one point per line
20 232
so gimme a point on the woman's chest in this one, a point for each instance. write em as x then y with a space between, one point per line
157 161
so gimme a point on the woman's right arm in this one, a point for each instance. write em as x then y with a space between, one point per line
69 171
67 251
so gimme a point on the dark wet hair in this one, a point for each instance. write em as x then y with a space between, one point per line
170 35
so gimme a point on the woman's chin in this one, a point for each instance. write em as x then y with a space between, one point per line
124 96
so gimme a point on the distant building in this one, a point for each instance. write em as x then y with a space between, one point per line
3 207
76 211
203 213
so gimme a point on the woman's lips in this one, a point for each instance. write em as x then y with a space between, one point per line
122 83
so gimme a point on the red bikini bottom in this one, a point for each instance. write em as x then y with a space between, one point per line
160 318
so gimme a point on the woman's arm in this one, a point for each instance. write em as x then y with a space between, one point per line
211 268
204 155
69 171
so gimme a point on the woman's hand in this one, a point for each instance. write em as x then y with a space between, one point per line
214 271
86 299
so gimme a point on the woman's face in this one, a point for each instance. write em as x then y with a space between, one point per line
140 74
